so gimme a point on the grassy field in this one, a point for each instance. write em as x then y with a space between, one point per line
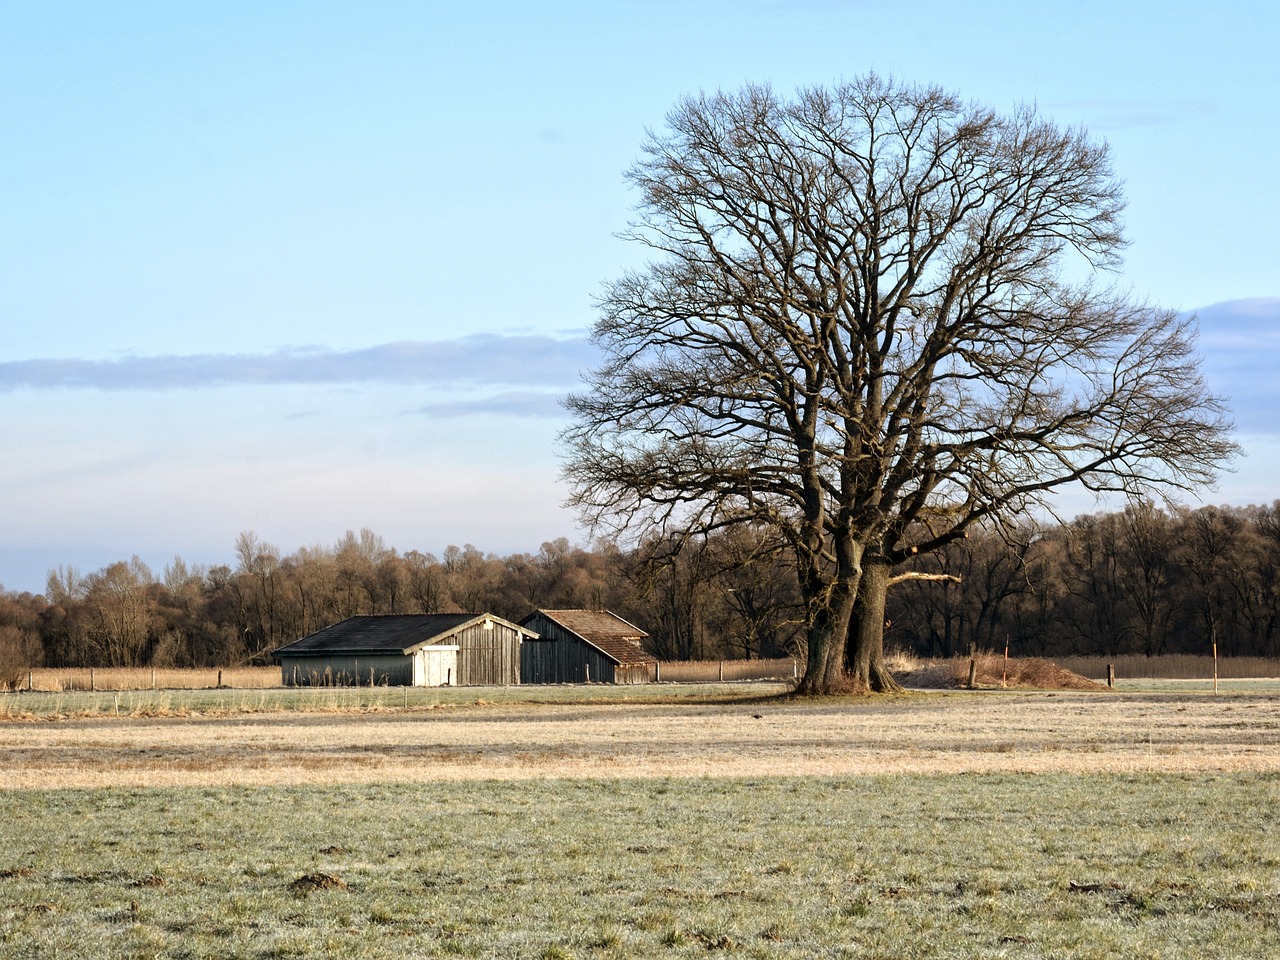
1233 685
686 822
221 701
1098 866
618 732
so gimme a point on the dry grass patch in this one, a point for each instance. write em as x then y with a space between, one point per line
68 679
992 670
971 732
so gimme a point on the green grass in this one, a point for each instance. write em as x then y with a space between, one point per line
1225 686
952 866
42 705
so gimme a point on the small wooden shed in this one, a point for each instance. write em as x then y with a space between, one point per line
584 646
420 650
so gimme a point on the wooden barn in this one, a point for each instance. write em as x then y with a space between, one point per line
425 650
584 646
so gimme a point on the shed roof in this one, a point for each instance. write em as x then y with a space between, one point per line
388 633
606 631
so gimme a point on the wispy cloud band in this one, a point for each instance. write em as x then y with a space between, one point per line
1240 341
480 359
528 404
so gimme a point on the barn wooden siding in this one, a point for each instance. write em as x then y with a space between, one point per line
563 661
338 670
563 657
488 657
635 672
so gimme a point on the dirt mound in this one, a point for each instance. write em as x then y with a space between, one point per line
310 882
994 671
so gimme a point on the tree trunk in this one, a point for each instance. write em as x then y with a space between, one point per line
824 673
832 609
865 654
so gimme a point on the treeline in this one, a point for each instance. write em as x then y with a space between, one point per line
1143 580
188 616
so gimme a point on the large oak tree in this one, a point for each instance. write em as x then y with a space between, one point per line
869 321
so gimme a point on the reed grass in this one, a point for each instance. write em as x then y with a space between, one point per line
66 679
1173 667
710 671
991 670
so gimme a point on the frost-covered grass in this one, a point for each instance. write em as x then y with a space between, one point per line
1051 865
61 704
615 734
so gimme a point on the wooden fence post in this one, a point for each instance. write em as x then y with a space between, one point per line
1111 675
973 673
93 683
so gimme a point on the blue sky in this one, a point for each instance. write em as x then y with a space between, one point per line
308 267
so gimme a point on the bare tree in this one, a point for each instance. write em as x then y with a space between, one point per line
858 316
120 613
257 587
1144 534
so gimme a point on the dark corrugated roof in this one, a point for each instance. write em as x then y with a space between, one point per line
606 631
384 634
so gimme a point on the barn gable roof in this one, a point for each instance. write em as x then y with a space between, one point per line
389 634
607 632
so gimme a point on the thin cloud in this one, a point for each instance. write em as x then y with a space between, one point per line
512 404
486 358
1130 114
1240 344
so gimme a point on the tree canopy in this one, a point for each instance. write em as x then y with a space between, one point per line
870 321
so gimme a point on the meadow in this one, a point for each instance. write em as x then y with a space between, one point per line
680 822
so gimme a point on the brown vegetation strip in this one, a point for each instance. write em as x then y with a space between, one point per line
955 733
